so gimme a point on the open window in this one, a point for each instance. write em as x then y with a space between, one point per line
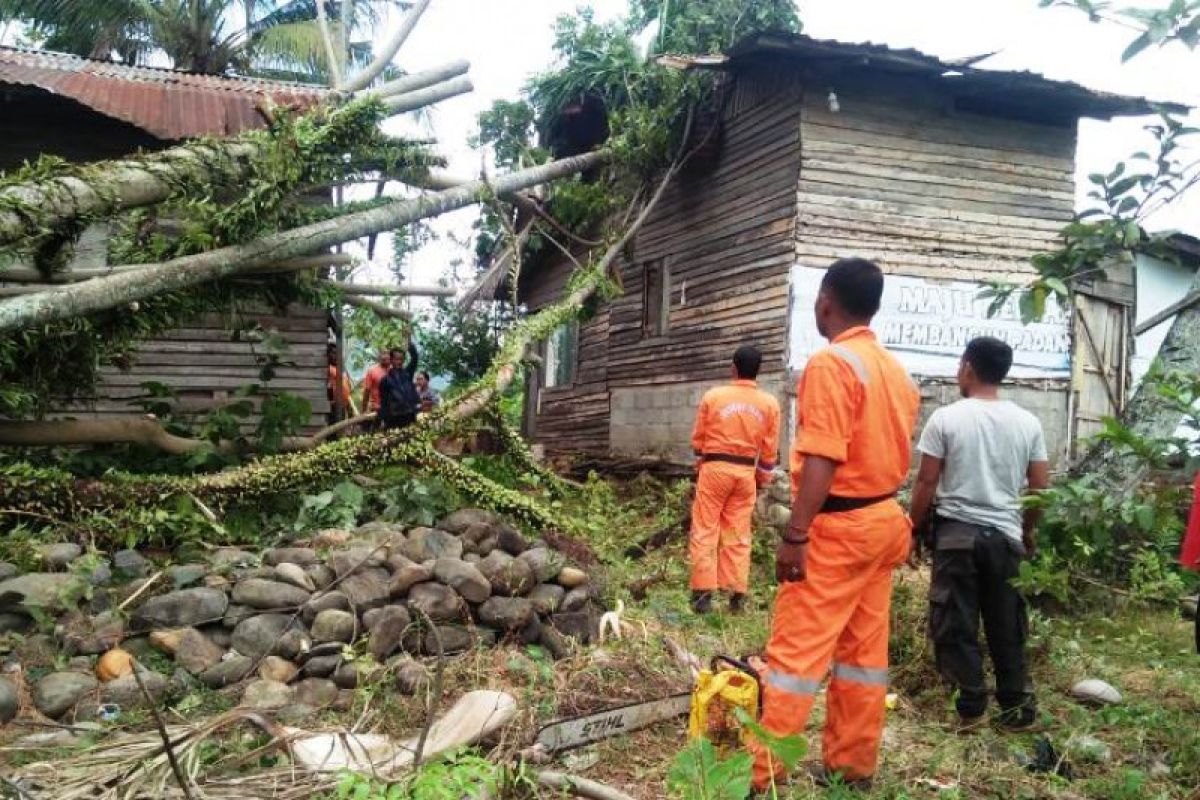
656 298
561 355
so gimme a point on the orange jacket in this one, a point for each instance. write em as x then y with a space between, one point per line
371 383
856 406
738 420
331 383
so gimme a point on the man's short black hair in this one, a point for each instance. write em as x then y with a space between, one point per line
396 351
747 361
424 374
990 358
856 285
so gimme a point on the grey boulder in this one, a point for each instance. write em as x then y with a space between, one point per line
182 609
463 578
266 594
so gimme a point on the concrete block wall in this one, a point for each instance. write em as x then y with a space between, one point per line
657 420
1046 400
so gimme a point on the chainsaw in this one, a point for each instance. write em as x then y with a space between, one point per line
566 734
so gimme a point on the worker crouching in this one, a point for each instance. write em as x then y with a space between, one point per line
735 439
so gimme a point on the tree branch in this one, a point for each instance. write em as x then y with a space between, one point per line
388 51
385 311
119 289
401 103
418 80
32 275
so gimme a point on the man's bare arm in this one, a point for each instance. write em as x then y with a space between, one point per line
816 476
1038 476
925 489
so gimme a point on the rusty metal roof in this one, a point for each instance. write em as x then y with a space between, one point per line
1027 91
166 103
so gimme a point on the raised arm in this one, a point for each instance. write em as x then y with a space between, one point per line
413 360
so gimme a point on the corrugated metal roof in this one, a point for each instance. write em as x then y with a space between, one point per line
166 103
1027 89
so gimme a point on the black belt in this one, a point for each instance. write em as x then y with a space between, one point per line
748 461
835 504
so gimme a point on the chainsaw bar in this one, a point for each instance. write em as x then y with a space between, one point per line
578 731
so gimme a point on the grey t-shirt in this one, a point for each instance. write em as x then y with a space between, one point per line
986 447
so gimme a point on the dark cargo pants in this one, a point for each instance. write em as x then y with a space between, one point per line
973 568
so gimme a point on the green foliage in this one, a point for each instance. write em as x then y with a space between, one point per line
1178 23
338 507
44 364
461 773
708 26
459 344
281 40
1127 539
1110 231
412 499
700 773
508 128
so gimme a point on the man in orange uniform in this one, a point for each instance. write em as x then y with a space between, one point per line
857 410
736 439
372 379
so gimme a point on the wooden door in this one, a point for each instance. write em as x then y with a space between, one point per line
1099 366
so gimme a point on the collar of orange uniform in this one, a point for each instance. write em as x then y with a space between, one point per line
745 382
852 333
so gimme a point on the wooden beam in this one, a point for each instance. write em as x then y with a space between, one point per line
1162 316
379 308
363 289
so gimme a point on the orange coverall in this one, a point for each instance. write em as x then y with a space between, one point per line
741 421
857 407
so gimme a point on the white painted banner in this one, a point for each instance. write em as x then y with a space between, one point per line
927 324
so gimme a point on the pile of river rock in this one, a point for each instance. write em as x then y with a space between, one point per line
288 627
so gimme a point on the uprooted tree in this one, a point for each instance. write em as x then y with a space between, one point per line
244 229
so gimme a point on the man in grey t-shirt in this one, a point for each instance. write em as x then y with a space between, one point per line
978 457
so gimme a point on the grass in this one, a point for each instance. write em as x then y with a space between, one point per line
1144 651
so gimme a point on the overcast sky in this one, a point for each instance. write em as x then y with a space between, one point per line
508 40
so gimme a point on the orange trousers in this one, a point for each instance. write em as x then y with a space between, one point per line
839 613
719 545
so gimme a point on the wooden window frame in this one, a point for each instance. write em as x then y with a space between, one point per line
548 369
657 297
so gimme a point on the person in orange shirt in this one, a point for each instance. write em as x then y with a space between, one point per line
857 410
736 439
338 391
375 374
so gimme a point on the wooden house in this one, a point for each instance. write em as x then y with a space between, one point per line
85 110
950 177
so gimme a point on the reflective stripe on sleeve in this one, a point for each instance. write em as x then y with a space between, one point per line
792 684
851 358
874 676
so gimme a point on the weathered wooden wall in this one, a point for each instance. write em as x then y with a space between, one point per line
572 418
899 176
725 232
205 366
